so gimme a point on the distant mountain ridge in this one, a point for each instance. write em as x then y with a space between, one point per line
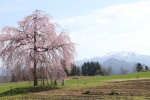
125 56
129 57
117 64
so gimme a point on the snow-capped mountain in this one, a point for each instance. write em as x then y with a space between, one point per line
126 56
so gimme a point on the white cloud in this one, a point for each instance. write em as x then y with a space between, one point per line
102 20
119 27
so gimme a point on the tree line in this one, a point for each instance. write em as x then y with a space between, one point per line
89 69
94 68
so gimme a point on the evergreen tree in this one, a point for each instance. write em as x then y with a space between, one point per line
78 71
146 68
88 70
84 69
67 73
98 69
73 70
139 67
91 69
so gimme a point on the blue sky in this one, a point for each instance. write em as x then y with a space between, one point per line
97 26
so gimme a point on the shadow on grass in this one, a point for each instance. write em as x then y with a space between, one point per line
26 90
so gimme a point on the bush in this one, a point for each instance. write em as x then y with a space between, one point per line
113 92
87 91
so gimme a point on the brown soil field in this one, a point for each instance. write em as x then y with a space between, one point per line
128 89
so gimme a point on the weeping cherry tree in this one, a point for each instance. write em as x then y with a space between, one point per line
36 43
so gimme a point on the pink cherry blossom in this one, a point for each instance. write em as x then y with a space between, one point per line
36 43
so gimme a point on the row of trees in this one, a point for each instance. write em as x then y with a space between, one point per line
94 68
89 69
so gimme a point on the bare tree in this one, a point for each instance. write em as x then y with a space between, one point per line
123 70
134 69
36 40
107 71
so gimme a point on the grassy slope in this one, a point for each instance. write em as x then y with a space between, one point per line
83 82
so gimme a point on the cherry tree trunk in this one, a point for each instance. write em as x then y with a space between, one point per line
35 63
35 74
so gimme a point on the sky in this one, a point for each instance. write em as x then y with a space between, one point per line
97 26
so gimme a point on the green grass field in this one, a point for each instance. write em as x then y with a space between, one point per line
99 80
72 84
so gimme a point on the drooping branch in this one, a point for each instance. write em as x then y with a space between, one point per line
36 40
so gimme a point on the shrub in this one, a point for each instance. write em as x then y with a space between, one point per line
87 91
113 92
